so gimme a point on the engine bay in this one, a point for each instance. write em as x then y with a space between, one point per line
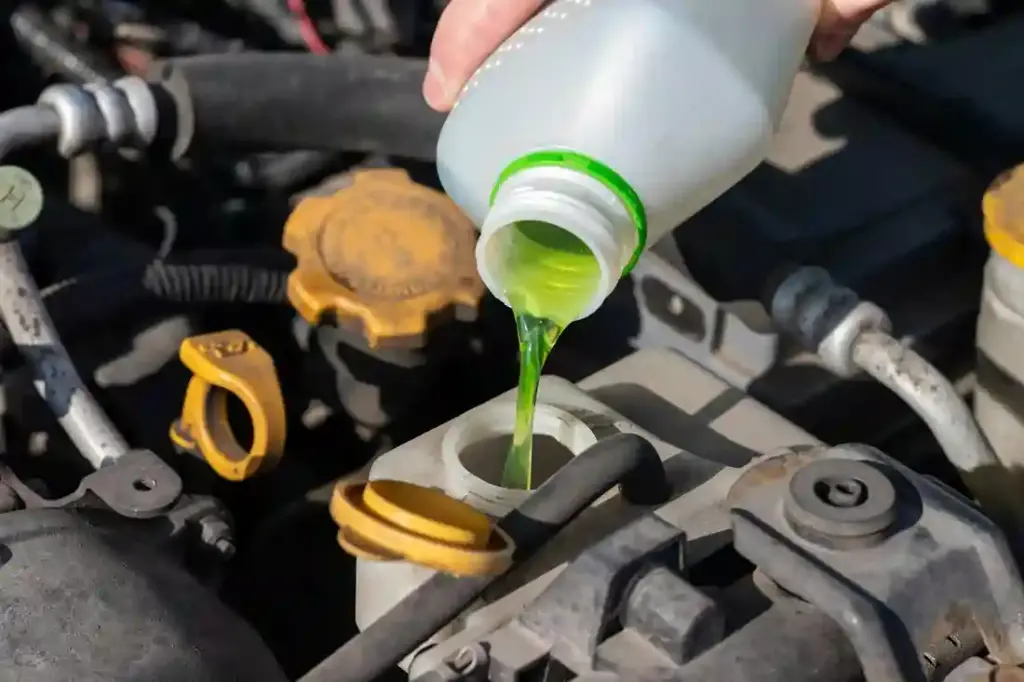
785 449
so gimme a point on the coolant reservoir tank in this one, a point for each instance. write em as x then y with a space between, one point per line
999 398
462 460
384 256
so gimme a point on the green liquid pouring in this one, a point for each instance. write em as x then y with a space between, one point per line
550 277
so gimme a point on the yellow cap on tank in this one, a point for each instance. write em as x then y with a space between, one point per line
394 520
1003 207
384 255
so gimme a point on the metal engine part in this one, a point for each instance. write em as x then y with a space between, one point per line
88 599
850 539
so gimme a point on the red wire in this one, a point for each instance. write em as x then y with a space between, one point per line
307 29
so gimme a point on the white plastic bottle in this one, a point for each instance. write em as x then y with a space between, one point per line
615 121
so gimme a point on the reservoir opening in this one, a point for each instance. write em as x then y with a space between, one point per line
544 270
486 459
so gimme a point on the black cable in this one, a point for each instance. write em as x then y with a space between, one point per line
624 459
211 277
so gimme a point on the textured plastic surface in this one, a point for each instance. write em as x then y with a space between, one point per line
679 98
384 256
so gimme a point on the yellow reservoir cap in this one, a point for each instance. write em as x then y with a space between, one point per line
398 521
1003 207
223 364
385 255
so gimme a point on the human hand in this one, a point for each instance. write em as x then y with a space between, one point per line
470 30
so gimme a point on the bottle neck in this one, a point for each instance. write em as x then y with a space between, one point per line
556 238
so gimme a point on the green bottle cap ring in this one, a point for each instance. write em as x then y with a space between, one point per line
598 171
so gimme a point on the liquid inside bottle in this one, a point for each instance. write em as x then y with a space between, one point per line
551 277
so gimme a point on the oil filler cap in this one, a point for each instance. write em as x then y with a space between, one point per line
397 521
385 256
1003 207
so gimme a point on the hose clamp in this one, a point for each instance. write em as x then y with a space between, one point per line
824 317
118 117
122 113
81 121
224 364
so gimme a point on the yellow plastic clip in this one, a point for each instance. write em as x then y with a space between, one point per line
399 521
230 363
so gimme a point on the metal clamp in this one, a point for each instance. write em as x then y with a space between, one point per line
223 364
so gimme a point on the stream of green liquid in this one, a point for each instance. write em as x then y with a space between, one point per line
551 277
537 337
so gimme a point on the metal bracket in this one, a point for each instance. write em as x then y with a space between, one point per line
605 610
676 313
864 539
137 485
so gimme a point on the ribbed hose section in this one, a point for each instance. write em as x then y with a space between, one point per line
215 284
80 302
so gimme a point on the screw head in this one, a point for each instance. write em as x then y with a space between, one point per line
841 498
842 493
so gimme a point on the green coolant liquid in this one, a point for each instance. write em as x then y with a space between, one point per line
551 276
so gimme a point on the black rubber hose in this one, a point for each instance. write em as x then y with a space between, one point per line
624 459
204 277
43 42
256 101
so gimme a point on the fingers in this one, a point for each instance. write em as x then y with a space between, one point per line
467 33
470 30
839 21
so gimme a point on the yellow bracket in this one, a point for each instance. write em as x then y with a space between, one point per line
399 521
230 363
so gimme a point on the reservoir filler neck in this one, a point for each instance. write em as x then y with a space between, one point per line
598 171
571 193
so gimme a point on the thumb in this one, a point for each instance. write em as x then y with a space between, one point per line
839 22
467 33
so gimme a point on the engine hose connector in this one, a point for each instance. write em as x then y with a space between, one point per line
123 113
825 318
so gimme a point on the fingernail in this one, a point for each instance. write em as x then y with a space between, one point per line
435 87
